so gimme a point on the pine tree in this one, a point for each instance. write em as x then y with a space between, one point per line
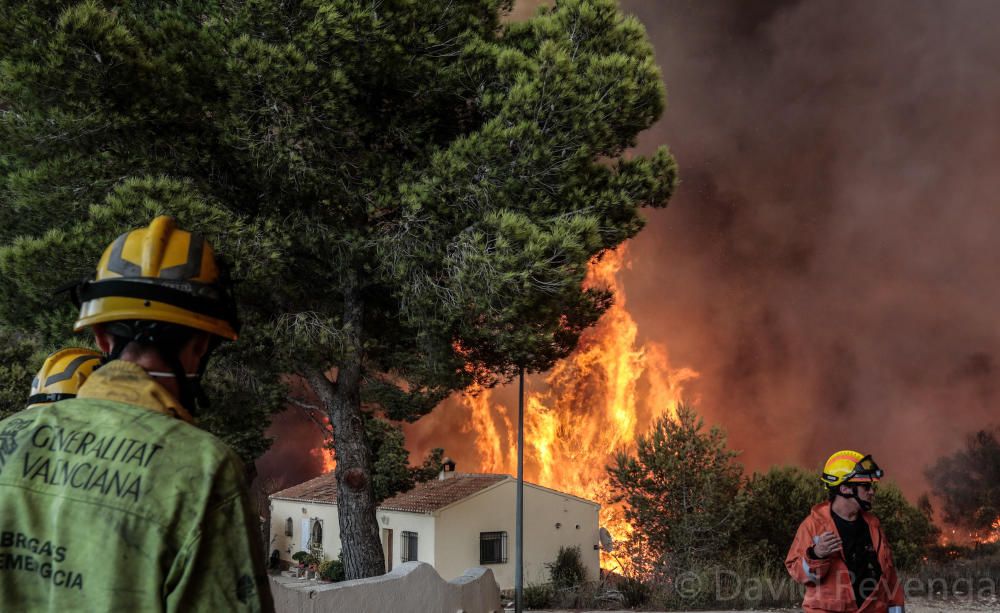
681 489
408 192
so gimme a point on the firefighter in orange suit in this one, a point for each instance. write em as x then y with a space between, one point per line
840 552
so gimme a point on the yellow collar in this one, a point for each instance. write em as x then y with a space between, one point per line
126 382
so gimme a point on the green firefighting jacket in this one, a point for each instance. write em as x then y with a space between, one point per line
114 501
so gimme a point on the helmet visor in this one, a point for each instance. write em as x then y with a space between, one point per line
865 470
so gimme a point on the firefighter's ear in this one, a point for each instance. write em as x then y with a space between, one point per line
193 351
103 339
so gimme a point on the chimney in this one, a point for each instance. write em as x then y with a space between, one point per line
447 469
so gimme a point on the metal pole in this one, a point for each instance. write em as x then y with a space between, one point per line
519 537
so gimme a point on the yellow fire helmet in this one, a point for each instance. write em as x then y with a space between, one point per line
62 374
159 273
848 466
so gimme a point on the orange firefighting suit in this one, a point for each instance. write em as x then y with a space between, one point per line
828 582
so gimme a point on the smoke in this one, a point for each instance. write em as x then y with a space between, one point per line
293 456
829 264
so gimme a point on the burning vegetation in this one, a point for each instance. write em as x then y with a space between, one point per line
592 404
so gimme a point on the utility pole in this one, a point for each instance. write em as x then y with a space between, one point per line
519 530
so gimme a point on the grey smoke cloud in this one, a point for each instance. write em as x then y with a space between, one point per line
829 264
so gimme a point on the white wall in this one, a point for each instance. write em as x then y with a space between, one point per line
281 510
449 540
493 510
398 522
412 588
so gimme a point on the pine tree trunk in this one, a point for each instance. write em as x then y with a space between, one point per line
362 549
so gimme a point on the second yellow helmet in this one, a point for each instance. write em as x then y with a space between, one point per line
62 374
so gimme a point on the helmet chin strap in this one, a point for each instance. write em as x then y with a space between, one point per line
191 395
864 504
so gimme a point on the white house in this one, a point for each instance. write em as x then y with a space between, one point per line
455 522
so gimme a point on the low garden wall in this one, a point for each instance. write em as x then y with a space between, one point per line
412 587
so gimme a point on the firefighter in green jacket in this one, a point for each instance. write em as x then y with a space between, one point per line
114 500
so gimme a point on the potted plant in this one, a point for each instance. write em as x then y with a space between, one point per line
302 558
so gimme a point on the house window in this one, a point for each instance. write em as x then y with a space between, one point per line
316 537
492 547
288 526
409 546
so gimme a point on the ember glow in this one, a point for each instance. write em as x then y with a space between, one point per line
992 535
598 400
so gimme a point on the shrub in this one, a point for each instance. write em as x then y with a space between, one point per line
775 503
302 557
538 596
635 592
332 570
568 570
909 528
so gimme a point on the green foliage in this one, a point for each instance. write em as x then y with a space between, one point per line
538 596
391 471
567 570
302 557
409 193
20 359
910 529
332 570
968 482
774 504
681 488
457 164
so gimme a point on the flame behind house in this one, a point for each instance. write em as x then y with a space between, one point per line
593 403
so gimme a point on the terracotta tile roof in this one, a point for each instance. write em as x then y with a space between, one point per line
430 496
425 497
319 489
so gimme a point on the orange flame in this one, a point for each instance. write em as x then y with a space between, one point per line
325 453
325 456
597 401
992 535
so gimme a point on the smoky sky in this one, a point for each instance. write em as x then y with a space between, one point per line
829 263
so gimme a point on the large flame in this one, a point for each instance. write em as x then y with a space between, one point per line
594 403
